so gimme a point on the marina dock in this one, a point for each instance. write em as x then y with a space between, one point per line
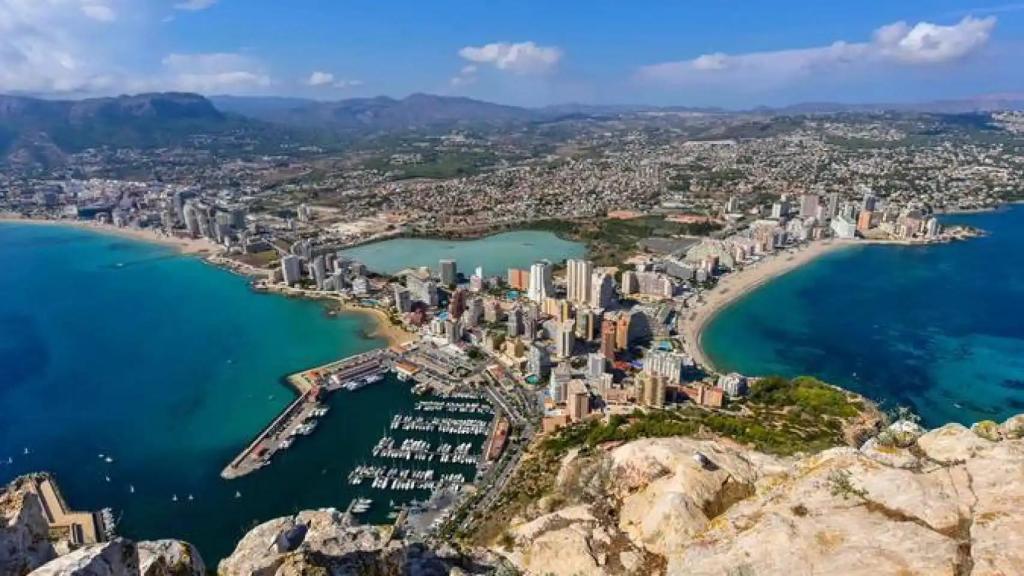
300 416
79 528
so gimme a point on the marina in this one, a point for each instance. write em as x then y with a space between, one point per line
450 433
411 449
457 426
454 407
300 417
388 478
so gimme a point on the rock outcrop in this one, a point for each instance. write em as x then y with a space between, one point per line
326 542
24 532
945 502
118 557
121 557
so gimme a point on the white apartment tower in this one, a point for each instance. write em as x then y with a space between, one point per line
540 282
291 269
579 275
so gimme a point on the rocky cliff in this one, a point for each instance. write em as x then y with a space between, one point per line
909 501
945 502
24 531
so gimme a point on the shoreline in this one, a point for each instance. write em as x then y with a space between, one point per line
212 254
394 336
736 285
188 246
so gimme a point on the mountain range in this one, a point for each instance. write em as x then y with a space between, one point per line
38 130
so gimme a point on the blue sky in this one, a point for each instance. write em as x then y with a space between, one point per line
723 52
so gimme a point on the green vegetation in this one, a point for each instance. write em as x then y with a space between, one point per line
840 485
608 239
805 393
779 417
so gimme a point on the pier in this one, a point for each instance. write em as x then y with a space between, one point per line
79 528
299 418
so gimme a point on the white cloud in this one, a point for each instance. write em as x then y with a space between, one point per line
318 78
212 73
47 46
927 43
99 12
465 77
194 5
520 57
897 44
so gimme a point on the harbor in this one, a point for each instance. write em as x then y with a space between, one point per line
300 417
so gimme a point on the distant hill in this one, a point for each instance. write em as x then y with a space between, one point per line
381 113
31 127
985 103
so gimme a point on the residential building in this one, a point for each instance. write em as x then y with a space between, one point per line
670 365
540 282
291 268
579 274
602 290
733 384
566 341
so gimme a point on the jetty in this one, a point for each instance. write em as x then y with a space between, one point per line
78 528
299 418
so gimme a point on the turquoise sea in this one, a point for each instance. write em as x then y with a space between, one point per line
937 328
169 366
496 254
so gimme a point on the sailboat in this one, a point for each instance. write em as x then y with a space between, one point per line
131 488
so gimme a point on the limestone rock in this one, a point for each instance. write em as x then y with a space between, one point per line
952 443
325 542
1013 428
267 547
169 558
949 503
118 557
997 523
573 541
668 496
889 455
24 541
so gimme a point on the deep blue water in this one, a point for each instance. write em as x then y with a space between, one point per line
169 366
939 328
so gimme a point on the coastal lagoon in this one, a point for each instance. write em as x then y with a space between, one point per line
496 254
168 366
937 328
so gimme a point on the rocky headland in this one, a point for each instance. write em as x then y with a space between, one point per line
949 501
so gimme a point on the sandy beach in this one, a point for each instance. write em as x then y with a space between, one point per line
383 328
199 246
396 336
734 285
